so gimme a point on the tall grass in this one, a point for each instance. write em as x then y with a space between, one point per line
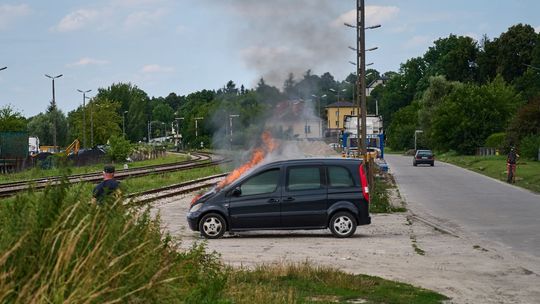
58 248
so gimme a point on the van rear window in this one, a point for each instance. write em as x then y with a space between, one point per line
339 177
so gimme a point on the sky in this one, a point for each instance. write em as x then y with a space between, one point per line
183 46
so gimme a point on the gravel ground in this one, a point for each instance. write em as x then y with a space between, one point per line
395 246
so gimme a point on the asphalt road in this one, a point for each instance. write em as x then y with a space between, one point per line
460 198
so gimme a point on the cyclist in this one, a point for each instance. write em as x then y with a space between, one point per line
511 161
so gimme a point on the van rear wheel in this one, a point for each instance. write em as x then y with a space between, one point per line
212 226
342 224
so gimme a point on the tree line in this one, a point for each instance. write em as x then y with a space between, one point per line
461 93
464 94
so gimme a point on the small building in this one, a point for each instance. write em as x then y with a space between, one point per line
336 113
294 119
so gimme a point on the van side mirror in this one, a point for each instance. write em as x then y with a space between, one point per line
236 191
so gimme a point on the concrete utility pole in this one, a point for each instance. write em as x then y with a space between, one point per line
231 116
197 126
361 71
124 124
84 115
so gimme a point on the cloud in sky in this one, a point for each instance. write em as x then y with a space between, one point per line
78 19
129 14
11 13
156 68
375 14
144 18
537 29
88 61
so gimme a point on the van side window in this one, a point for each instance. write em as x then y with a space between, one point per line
303 178
265 182
339 177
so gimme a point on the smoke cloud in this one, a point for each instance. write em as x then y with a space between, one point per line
283 36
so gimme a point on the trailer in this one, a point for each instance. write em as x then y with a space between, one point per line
374 134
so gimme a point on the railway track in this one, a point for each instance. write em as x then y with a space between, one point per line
200 160
145 197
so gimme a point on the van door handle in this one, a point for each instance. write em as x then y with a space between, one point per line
273 200
289 199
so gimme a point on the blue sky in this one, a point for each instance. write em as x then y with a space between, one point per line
182 46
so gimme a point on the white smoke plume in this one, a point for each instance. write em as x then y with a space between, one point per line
283 36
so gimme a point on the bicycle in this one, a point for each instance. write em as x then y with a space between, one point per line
510 173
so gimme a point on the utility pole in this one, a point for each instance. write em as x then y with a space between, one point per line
84 115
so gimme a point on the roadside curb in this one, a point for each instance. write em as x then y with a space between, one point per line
432 224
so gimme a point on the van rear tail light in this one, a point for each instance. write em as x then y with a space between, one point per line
364 183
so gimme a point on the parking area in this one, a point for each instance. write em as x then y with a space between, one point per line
394 246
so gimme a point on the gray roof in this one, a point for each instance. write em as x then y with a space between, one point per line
340 104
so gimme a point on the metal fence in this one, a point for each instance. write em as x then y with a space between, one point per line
13 151
487 151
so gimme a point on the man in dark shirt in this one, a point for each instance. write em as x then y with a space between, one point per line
107 186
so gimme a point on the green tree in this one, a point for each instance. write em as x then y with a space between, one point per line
526 122
133 100
11 120
514 50
432 98
470 113
163 112
453 57
41 126
401 131
101 115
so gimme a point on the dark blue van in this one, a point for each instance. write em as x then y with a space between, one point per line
314 193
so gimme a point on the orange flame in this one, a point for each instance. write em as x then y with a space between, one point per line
269 145
196 198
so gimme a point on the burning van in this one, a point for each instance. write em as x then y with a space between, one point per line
314 193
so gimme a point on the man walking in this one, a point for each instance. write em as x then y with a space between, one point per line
107 186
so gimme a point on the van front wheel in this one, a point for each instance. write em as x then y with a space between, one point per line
212 226
342 224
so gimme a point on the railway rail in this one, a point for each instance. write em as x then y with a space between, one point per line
145 197
200 160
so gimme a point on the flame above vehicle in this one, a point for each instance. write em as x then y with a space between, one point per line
258 155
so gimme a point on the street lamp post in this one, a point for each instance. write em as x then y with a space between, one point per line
124 123
197 126
416 132
178 138
54 107
231 116
84 115
1 69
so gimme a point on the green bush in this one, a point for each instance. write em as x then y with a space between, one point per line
56 247
529 146
496 140
119 149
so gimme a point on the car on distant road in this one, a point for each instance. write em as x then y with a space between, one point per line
314 193
424 157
